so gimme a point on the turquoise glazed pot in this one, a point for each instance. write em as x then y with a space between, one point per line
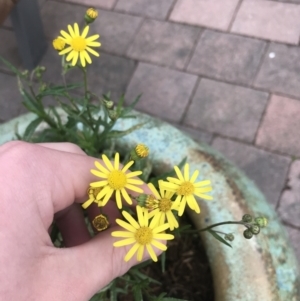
263 268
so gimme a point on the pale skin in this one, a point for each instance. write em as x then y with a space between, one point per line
40 183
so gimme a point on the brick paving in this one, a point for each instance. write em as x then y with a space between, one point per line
226 71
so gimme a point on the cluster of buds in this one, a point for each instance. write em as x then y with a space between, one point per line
253 225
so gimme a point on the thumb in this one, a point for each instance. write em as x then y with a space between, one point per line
85 269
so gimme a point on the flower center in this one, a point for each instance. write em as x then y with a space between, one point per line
186 188
143 235
117 179
165 204
151 202
78 44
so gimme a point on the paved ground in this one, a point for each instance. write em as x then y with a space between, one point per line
226 71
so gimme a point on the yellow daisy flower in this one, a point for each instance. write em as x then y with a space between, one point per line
80 45
115 180
163 206
92 193
186 187
141 234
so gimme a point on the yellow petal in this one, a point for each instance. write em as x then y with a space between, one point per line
182 206
194 176
71 31
103 192
92 38
134 188
126 196
98 173
107 163
163 236
118 199
203 189
126 167
132 174
131 220
87 203
125 225
122 234
178 173
124 242
70 56
159 245
101 167
65 35
92 51
66 50
82 59
154 191
131 252
202 183
117 160
140 253
86 56
186 172
75 58
76 29
107 197
85 32
140 216
151 252
99 183
160 228
135 181
93 44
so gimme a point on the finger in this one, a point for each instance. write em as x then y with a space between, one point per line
71 224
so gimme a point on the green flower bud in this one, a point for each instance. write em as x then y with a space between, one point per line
248 234
113 115
108 103
261 221
90 15
255 229
229 237
247 218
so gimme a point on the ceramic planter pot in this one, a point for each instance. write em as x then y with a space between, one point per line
263 268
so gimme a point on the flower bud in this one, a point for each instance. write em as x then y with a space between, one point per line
261 221
91 15
248 234
100 222
255 229
58 44
108 103
229 237
247 218
141 150
113 115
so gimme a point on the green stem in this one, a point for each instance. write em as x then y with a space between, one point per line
219 224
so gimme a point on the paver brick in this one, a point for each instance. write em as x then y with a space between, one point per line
227 56
226 109
108 4
116 30
266 169
154 9
164 43
9 48
57 15
215 14
10 98
165 92
279 130
269 20
110 73
294 235
280 70
196 134
289 206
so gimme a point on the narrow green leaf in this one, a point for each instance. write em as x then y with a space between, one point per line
137 293
163 258
218 237
118 134
31 128
11 67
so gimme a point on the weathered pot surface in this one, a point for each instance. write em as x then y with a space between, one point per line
263 268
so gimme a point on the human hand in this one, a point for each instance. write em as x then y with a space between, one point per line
39 182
